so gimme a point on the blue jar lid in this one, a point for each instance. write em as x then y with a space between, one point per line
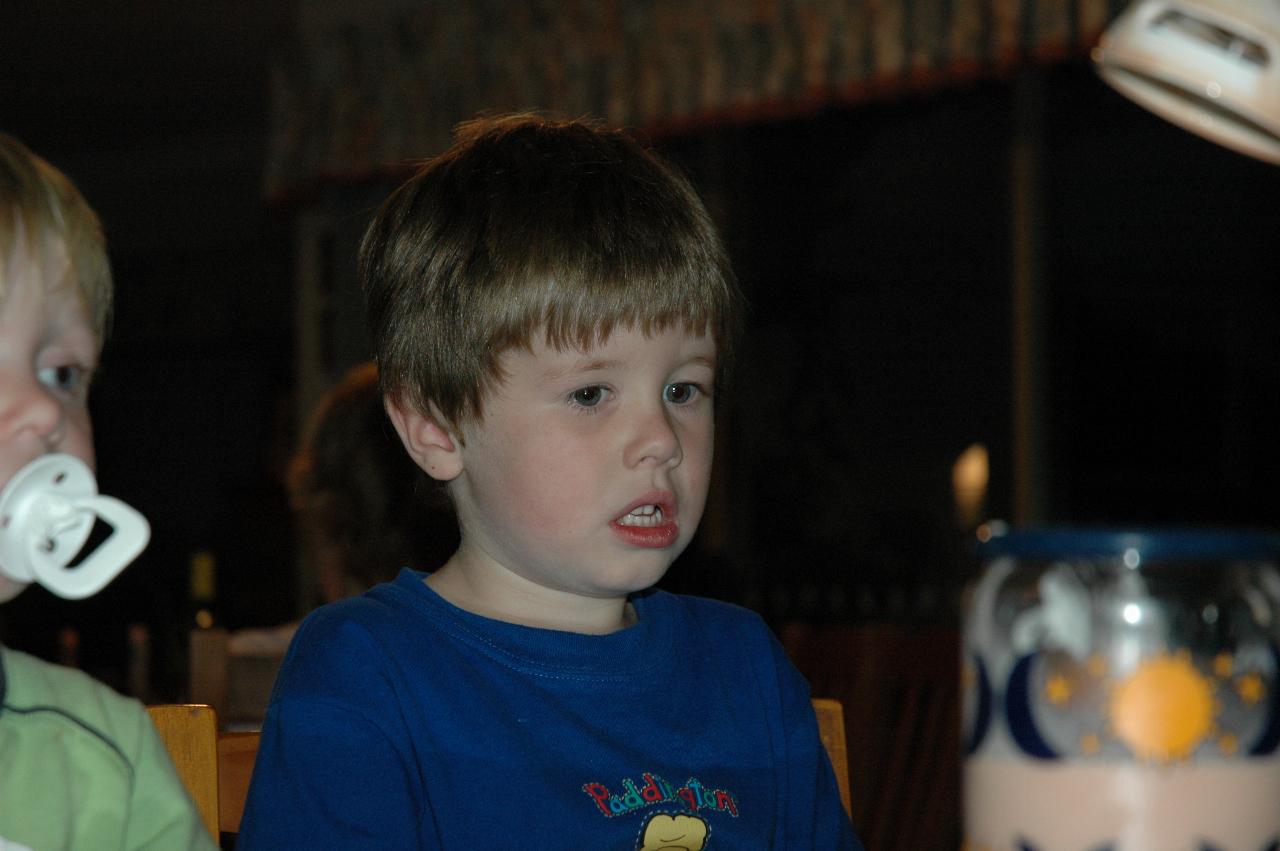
1174 544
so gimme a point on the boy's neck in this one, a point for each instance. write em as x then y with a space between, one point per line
494 592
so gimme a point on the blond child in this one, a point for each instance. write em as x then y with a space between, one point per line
552 313
80 766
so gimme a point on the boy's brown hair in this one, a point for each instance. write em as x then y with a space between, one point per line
528 224
37 204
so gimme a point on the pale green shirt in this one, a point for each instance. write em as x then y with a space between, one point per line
82 767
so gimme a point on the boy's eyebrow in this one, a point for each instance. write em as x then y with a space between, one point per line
581 365
602 364
709 361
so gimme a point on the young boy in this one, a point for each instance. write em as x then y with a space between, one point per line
80 766
551 313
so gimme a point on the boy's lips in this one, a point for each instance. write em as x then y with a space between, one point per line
648 522
661 504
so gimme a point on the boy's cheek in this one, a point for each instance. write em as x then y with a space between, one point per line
78 440
699 448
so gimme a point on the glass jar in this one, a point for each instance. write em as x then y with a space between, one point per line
1122 692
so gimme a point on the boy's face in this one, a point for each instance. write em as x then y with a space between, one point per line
589 472
48 352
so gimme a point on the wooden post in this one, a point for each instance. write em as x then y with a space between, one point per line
1030 427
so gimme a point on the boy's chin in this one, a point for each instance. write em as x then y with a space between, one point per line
10 589
640 580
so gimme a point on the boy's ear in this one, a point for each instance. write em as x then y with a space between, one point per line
431 446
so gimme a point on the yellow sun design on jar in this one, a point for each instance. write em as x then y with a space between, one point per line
1251 689
1164 709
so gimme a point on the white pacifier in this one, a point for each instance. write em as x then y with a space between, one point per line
47 512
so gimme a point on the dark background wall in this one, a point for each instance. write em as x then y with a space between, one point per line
874 240
158 111
876 243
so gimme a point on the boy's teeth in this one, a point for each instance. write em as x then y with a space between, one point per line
645 515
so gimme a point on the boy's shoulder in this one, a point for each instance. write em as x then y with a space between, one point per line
40 701
82 763
705 607
387 611
29 685
714 617
64 717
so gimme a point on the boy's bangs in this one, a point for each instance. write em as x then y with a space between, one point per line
18 235
572 310
7 240
50 247
577 300
43 207
93 276
26 237
583 315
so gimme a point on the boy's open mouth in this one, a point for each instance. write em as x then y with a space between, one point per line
644 515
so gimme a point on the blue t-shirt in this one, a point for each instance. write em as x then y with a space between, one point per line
400 721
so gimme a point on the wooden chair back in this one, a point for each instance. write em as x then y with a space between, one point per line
214 766
236 755
831 730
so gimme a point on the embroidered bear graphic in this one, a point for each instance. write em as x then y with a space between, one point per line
673 833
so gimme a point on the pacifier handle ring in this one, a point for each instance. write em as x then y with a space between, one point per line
129 536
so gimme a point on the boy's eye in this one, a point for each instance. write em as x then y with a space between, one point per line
588 397
67 378
681 393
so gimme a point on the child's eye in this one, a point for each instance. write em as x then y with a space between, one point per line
681 393
588 397
67 379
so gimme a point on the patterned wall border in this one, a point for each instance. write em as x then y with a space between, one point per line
366 88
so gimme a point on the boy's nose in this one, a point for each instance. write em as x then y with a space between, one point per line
654 441
27 407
